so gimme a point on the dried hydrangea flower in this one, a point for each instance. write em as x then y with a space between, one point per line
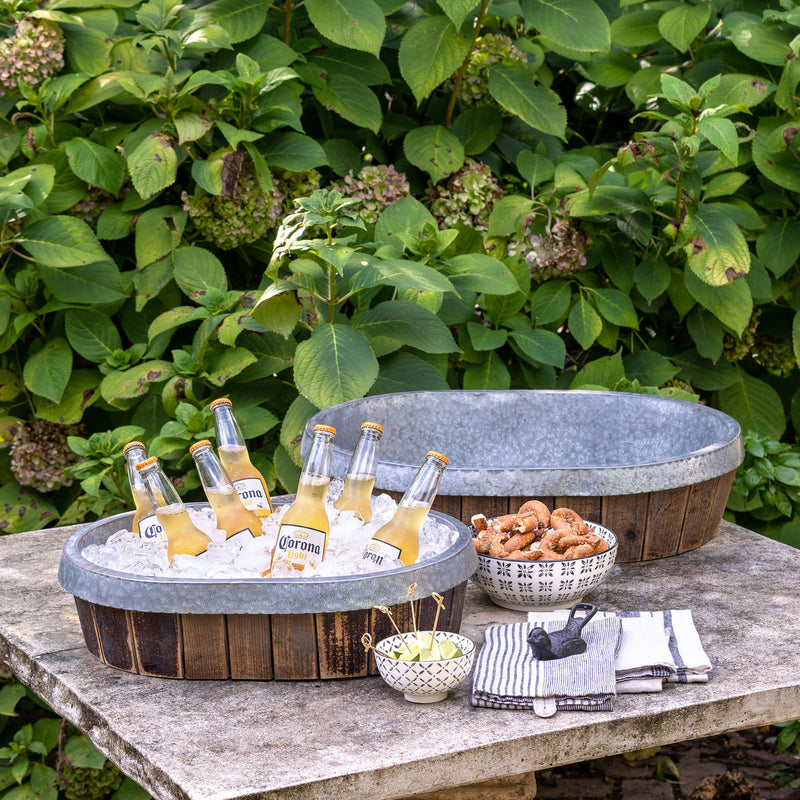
40 455
92 205
33 53
776 355
735 349
377 186
490 49
560 251
467 196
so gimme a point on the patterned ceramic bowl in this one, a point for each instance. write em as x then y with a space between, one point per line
425 681
545 585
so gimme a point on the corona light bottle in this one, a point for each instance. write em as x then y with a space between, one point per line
303 533
249 482
399 537
238 523
145 522
183 538
361 473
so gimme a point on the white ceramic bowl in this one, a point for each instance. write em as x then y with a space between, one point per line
425 681
545 585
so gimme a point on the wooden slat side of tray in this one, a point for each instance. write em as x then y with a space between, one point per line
205 646
294 647
589 508
341 654
89 627
724 484
665 516
159 648
115 637
626 515
250 646
698 514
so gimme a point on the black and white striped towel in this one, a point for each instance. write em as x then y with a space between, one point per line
508 676
655 647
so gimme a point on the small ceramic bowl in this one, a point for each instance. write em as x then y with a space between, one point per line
545 585
425 681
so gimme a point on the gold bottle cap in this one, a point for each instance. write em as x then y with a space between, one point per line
327 428
132 444
201 443
222 401
147 462
439 456
372 425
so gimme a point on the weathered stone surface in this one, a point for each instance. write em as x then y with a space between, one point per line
209 740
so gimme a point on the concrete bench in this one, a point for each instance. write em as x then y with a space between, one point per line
309 740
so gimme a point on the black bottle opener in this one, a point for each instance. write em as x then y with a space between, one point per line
564 642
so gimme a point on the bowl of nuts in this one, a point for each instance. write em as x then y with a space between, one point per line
538 559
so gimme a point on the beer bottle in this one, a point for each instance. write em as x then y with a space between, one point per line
183 537
238 523
399 537
144 518
303 532
361 473
249 482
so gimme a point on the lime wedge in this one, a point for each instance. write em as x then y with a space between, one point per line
448 649
430 653
411 653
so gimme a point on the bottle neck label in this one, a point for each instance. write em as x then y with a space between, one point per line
300 546
381 554
241 537
150 529
253 494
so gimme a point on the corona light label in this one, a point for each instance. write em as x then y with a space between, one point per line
150 529
381 552
252 494
301 546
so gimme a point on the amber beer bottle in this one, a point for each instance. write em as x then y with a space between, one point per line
238 523
183 537
303 533
145 522
399 537
249 482
361 473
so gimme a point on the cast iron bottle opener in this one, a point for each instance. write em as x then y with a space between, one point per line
564 642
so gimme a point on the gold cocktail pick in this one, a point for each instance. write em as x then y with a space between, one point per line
409 597
366 640
440 607
388 612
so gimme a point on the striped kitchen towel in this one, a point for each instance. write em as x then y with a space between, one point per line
655 647
508 676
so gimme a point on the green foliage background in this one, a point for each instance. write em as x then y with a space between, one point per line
571 194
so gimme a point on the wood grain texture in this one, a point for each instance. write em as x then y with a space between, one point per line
158 642
589 508
626 515
205 646
294 647
250 646
698 514
116 642
341 654
488 506
88 627
665 515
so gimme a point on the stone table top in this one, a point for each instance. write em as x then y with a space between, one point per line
235 740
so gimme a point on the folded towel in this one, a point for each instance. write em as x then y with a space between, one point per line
508 676
655 646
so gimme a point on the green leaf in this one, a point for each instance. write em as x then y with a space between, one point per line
435 150
681 25
95 164
352 100
405 372
170 319
605 371
704 374
404 216
229 364
484 338
334 364
91 334
584 323
636 28
134 382
62 241
707 333
616 307
580 24
407 323
721 132
652 278
490 374
158 233
717 252
153 164
457 10
358 24
87 49
241 19
363 67
543 346
24 510
46 372
82 753
724 185
534 168
11 693
83 389
732 304
778 245
93 283
515 89
277 310
191 126
649 368
273 353
550 301
772 153
755 405
739 89
430 52
480 273
411 275
796 336
767 44
197 271
294 151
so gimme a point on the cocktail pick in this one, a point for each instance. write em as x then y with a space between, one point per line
366 640
388 612
440 607
409 597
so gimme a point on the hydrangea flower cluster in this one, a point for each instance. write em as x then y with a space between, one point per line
34 52
377 186
40 455
86 783
736 349
560 251
296 184
467 197
92 205
490 49
776 355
